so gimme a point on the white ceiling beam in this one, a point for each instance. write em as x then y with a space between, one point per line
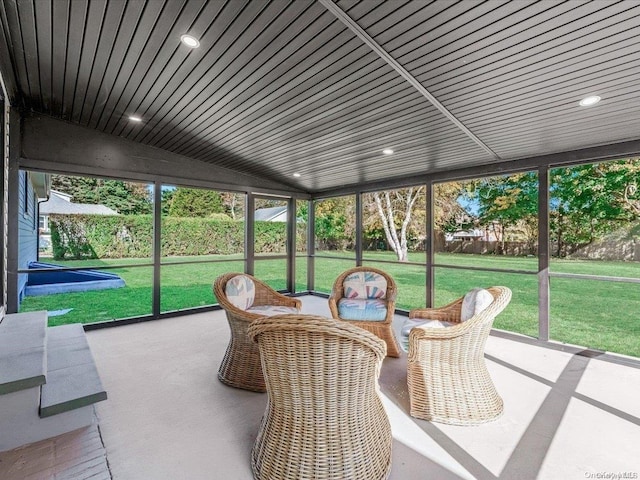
382 53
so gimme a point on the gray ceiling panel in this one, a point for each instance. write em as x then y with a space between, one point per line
243 80
321 87
59 33
26 66
506 41
226 47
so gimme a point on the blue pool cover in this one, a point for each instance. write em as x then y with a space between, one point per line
45 283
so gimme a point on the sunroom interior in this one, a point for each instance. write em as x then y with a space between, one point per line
318 112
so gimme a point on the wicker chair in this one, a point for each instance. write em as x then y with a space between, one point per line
240 366
381 328
446 372
324 417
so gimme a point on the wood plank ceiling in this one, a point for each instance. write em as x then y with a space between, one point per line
280 86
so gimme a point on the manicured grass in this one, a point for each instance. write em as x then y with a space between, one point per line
99 305
183 286
591 313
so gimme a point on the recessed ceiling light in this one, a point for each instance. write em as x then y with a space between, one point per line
133 118
190 41
587 101
387 151
296 174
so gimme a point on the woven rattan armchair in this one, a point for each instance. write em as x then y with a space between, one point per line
446 372
241 366
381 328
324 417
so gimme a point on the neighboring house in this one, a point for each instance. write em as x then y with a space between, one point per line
476 234
34 187
60 203
272 214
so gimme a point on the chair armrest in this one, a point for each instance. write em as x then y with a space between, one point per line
443 314
425 333
240 315
333 304
392 295
271 297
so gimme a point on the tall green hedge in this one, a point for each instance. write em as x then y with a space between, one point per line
131 236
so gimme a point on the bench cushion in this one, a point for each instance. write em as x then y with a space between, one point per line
370 309
240 291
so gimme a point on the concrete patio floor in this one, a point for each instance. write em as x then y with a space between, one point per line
567 416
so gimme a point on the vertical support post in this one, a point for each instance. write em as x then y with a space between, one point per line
13 210
157 247
249 233
359 228
429 245
4 197
291 245
543 254
311 245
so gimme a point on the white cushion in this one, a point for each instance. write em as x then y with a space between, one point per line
475 302
271 310
240 291
408 325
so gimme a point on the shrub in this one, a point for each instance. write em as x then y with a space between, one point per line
70 240
131 236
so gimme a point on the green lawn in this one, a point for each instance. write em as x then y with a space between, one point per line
591 313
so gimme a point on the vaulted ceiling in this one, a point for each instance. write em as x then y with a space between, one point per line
320 88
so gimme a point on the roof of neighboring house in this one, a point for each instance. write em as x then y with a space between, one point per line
60 203
468 233
270 214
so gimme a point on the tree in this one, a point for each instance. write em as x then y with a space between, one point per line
127 198
587 202
233 204
449 214
591 201
335 222
167 199
395 209
195 202
512 202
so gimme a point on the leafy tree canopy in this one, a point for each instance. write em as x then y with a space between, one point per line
126 198
195 202
590 201
335 221
587 202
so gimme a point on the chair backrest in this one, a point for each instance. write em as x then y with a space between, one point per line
236 291
309 344
470 335
240 291
501 296
474 302
322 380
363 283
